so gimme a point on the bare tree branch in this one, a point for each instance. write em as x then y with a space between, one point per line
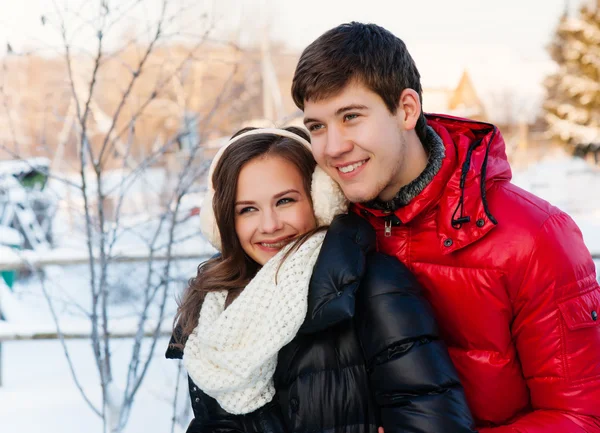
84 142
106 197
160 86
120 12
7 109
18 157
64 346
174 419
135 76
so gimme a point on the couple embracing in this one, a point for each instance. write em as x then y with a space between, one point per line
380 271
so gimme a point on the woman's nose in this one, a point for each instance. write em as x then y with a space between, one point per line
270 221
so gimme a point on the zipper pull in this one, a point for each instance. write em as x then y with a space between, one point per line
388 227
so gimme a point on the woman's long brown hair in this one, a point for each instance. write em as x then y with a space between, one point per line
233 269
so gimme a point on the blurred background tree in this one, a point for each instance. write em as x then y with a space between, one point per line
572 107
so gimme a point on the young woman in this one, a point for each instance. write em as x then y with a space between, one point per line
290 329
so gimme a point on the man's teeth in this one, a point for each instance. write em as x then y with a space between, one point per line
352 167
275 245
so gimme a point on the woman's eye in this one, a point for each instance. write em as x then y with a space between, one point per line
285 201
246 210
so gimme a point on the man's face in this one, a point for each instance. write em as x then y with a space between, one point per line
358 142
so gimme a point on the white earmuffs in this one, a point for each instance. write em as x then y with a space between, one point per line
327 197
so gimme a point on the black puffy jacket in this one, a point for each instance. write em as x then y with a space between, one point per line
367 355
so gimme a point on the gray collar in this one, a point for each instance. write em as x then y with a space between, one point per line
434 146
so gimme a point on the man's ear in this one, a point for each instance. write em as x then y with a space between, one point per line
409 108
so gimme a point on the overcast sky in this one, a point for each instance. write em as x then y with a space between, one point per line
501 44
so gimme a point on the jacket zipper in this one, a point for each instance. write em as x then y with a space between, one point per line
388 222
387 227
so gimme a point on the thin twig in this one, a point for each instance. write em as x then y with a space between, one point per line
64 345
174 419
82 117
133 80
16 156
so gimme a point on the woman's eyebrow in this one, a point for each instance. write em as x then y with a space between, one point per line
278 195
244 202
287 191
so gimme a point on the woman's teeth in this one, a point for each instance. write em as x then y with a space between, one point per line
276 244
352 167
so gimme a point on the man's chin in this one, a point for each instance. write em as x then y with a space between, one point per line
360 196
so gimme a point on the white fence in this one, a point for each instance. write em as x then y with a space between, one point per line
11 259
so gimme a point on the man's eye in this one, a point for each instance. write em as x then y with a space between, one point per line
350 116
285 201
315 127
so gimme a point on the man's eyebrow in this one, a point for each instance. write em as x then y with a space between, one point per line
308 120
339 111
351 107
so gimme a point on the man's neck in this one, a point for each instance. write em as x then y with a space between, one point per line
435 153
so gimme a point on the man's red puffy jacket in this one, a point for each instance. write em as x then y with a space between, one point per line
512 283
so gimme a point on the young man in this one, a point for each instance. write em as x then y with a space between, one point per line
508 275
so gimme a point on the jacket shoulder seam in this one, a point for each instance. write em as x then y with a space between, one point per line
548 213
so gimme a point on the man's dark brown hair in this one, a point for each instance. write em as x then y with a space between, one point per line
366 53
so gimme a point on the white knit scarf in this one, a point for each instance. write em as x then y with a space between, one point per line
232 353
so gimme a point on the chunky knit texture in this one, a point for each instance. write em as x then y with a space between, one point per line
232 353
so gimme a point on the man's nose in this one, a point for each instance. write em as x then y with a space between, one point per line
337 143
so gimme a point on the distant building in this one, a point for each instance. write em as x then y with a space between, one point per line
461 101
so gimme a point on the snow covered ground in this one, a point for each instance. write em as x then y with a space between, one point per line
38 393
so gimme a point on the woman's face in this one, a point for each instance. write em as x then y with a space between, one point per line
272 208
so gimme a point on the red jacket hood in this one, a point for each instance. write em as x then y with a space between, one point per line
475 159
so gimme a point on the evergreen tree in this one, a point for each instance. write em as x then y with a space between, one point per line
572 105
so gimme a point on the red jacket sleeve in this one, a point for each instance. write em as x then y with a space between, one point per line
557 333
